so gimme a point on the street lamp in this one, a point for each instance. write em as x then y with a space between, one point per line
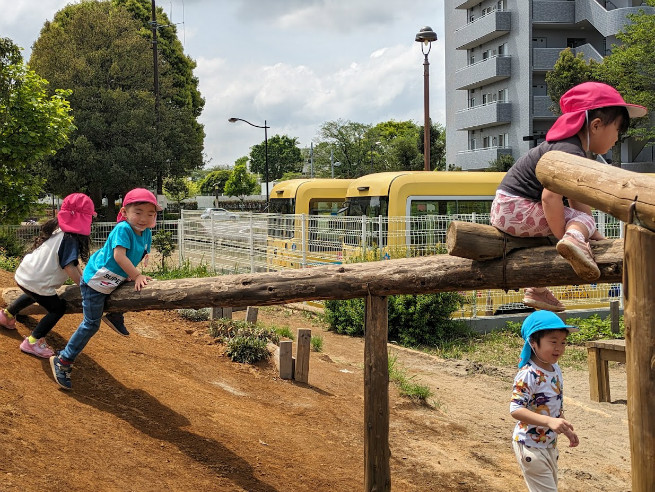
216 193
265 127
425 36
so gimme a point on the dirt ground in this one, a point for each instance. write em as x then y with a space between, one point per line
166 410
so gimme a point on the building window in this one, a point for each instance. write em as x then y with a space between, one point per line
503 140
472 144
502 49
500 5
502 95
485 142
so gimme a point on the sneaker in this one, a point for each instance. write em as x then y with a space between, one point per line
39 348
542 299
116 323
579 255
6 321
61 372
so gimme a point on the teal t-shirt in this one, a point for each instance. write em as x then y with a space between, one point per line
102 273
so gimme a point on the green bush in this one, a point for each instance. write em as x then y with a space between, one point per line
413 319
247 349
11 245
164 243
195 314
245 342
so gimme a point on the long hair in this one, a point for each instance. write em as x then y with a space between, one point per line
49 227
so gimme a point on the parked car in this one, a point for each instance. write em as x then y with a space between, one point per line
219 213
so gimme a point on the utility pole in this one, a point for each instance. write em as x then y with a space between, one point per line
153 25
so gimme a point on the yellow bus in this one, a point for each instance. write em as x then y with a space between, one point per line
396 205
308 237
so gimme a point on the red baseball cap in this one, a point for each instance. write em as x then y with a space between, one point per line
581 98
76 214
138 195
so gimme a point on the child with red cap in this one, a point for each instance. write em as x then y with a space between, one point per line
55 258
593 116
107 269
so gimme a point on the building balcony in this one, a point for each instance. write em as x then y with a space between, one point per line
541 108
606 19
553 12
479 158
543 59
466 4
484 72
484 115
483 29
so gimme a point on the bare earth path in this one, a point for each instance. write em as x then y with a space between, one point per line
165 410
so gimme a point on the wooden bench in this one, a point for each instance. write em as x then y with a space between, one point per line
599 352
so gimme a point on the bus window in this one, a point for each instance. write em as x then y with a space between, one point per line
281 226
373 207
324 234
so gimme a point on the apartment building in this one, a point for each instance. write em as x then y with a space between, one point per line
497 55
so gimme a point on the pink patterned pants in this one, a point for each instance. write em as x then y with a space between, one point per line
524 218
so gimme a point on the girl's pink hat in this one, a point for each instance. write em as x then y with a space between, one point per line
583 97
76 213
138 195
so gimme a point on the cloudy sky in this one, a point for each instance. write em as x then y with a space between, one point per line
293 63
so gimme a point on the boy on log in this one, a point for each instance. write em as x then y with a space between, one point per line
593 116
108 268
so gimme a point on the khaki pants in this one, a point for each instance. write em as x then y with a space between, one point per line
539 467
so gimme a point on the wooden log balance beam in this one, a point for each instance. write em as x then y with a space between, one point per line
630 197
421 275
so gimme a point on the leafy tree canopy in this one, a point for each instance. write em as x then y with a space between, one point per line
177 189
33 125
103 53
502 164
215 180
283 156
241 183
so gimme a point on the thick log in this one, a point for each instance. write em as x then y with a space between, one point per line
606 188
377 473
483 242
536 267
639 313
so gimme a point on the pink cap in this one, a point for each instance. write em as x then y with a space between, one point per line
138 195
76 213
586 96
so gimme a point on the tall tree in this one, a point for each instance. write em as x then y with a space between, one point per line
283 157
351 146
102 52
241 183
569 70
215 181
33 125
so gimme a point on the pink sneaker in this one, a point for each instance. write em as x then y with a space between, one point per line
542 299
6 321
579 255
39 348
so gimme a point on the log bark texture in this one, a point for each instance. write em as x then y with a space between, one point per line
639 291
606 188
535 267
483 242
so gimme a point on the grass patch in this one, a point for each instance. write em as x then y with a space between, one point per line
283 332
406 385
316 343
185 271
246 342
195 314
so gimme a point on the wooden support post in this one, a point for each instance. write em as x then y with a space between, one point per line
614 316
377 472
639 317
251 314
599 379
302 355
286 359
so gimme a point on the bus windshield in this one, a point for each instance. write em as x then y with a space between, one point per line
370 206
280 225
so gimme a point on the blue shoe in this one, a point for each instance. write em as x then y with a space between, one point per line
116 322
61 372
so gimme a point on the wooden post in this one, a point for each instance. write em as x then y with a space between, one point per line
302 355
221 313
251 314
614 316
377 472
286 359
639 317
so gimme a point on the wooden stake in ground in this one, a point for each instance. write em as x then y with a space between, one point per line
639 315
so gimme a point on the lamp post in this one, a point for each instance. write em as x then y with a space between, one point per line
216 193
265 127
425 36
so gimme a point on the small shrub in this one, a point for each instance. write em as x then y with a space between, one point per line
398 375
8 263
246 343
195 314
10 245
247 349
164 243
284 332
316 343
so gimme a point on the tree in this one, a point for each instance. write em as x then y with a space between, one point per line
283 156
398 150
33 126
351 146
501 164
177 189
630 68
241 183
437 146
215 180
102 52
569 71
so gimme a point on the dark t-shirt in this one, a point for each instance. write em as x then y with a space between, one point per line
68 251
521 179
